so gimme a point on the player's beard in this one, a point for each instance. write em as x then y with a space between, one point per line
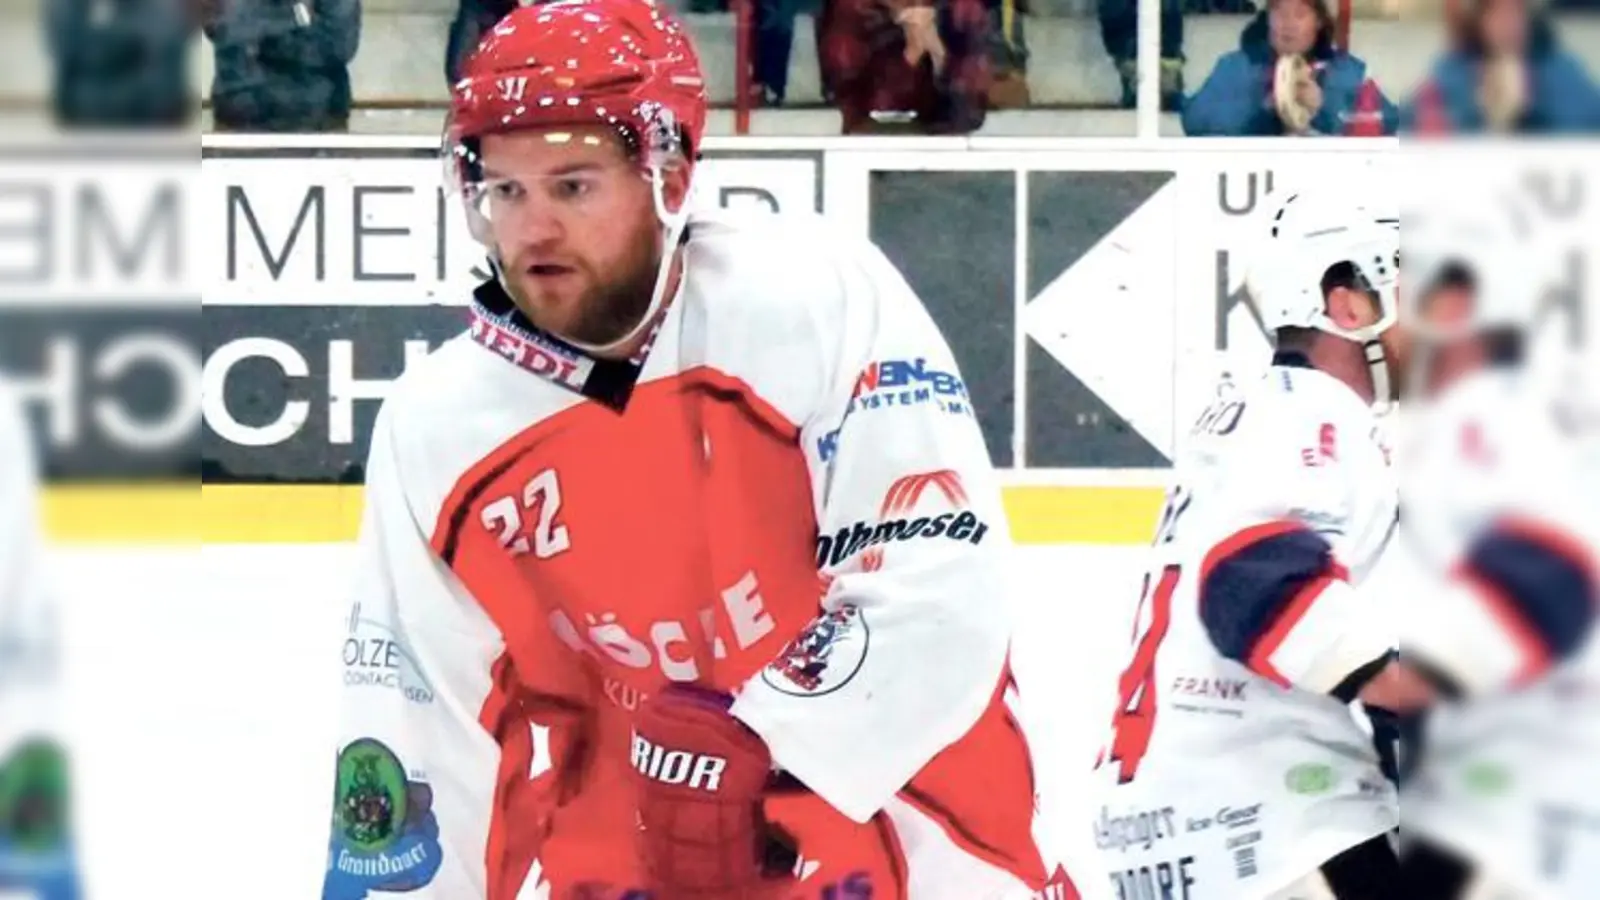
610 307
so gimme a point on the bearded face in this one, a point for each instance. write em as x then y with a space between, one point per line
575 225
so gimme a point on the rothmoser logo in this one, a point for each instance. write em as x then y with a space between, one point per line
898 522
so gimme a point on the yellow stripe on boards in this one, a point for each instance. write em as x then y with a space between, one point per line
1062 514
281 514
315 514
122 513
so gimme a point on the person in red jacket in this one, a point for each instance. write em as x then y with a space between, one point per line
918 63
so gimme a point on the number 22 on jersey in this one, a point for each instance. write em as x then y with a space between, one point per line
542 494
1134 722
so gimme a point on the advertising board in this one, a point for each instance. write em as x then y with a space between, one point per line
1092 291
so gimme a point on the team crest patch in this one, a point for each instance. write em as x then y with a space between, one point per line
35 834
385 835
33 799
824 657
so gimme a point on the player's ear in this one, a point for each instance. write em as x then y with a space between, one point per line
1350 309
675 186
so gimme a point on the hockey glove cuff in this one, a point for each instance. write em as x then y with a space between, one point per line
1335 639
1478 649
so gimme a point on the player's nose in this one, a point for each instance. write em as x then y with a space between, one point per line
538 226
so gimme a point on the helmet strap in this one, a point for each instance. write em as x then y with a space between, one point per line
673 224
1378 368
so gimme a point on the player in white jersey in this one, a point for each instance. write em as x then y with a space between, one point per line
1498 538
36 853
1237 768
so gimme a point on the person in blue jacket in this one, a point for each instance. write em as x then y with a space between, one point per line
1237 98
1556 94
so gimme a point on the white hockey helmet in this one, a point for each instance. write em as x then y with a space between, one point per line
1490 242
1305 236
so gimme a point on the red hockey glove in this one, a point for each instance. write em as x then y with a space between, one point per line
701 775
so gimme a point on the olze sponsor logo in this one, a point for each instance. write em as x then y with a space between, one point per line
899 382
897 522
375 656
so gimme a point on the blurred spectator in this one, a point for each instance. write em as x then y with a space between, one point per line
1289 78
121 63
1506 72
1008 54
473 18
773 26
917 63
1119 29
282 65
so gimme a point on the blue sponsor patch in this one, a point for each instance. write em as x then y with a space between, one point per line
899 382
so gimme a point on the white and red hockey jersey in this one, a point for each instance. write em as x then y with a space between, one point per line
1236 766
1497 515
37 857
788 498
1500 532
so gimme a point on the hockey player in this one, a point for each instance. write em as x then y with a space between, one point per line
36 848
683 571
1237 768
1498 531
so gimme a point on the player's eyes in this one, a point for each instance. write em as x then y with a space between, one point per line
505 190
570 188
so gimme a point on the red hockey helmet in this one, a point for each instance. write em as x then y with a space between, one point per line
624 63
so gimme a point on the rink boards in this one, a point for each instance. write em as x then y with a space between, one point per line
1091 292
300 514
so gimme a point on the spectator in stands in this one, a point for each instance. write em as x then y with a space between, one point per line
282 65
1008 54
922 63
121 63
1506 72
1119 31
473 19
773 24
1289 78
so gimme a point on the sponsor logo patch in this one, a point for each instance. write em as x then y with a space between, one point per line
899 382
385 835
824 658
899 522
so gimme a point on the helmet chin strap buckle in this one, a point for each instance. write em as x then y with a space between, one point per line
1378 368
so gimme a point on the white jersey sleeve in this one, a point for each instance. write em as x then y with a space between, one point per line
1293 503
19 503
913 547
1501 534
430 728
33 747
